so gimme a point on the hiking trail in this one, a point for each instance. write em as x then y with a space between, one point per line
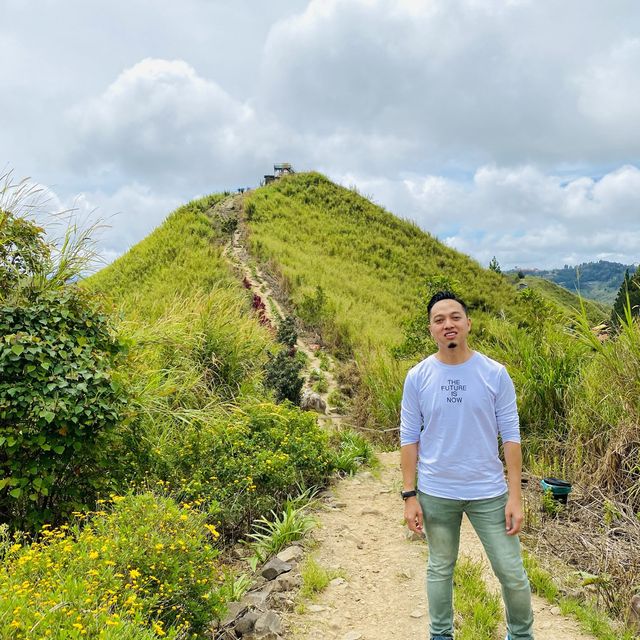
361 532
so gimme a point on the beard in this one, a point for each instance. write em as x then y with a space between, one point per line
452 345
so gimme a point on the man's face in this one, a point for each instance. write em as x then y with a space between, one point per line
449 324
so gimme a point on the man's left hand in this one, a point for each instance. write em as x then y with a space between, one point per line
513 515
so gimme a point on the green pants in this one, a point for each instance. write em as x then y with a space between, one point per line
442 520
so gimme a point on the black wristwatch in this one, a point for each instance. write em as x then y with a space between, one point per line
408 494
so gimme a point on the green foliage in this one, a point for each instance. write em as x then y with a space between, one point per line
352 451
567 302
143 568
479 609
241 464
249 210
272 534
316 578
321 386
604 412
58 401
282 374
494 265
591 619
593 280
200 424
23 251
338 401
550 506
287 333
628 297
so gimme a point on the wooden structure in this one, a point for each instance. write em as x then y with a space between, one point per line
279 170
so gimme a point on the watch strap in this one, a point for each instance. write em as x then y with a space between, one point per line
408 494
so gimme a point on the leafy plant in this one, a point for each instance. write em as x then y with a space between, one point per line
270 536
353 451
287 333
282 374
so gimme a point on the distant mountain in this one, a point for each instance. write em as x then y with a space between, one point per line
596 280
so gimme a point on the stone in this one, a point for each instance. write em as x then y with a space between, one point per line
282 602
258 597
352 635
294 552
246 624
336 582
312 401
234 611
267 623
274 568
417 613
316 608
286 582
555 611
370 511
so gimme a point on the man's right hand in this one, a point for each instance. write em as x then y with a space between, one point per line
413 514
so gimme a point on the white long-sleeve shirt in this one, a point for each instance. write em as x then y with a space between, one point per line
455 414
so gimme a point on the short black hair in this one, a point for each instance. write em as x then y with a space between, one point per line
444 295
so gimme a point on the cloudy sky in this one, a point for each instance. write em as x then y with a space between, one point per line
504 127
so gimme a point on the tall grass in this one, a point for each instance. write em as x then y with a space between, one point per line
603 439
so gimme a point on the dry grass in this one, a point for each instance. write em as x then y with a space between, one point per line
596 536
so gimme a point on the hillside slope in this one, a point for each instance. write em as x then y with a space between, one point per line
370 264
360 277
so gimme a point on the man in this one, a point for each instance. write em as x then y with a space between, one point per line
455 404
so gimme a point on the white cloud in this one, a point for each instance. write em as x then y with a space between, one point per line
463 81
159 121
522 215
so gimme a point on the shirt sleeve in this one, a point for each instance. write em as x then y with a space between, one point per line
507 409
410 414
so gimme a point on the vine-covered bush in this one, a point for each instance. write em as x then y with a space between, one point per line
57 394
57 399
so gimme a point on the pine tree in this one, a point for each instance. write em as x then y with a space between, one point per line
630 286
494 265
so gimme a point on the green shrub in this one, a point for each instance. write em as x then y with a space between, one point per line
321 386
144 567
242 464
316 578
59 396
287 333
272 534
282 374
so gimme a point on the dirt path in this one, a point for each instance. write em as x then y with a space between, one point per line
383 596
259 285
361 530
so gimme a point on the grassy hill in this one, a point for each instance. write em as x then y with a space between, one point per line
375 272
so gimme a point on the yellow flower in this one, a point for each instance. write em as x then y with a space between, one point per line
93 555
134 573
212 530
